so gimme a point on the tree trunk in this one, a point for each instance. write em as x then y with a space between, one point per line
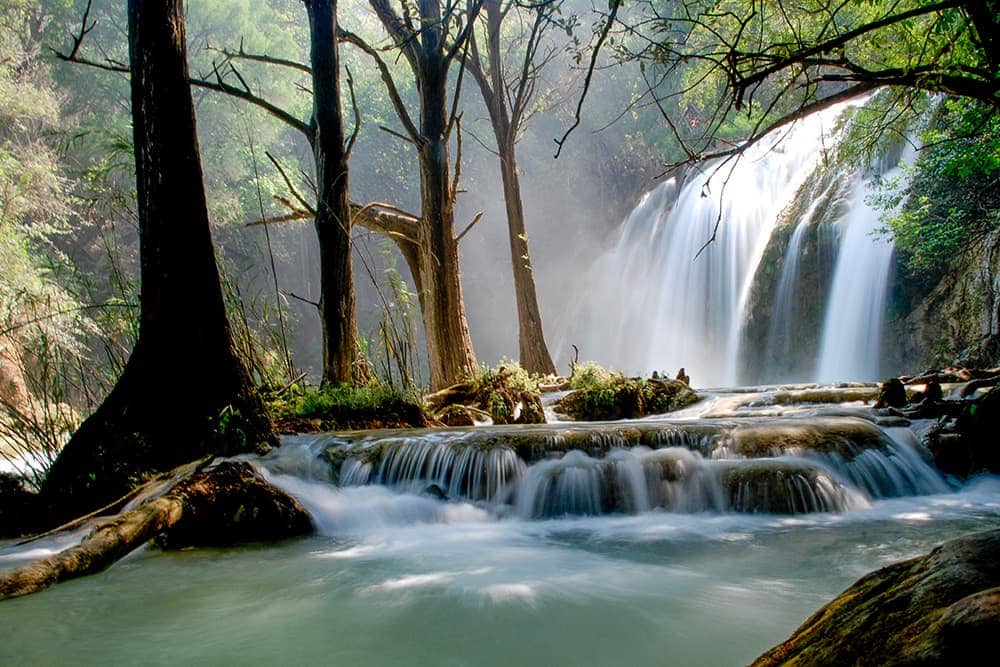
184 391
449 345
333 213
534 353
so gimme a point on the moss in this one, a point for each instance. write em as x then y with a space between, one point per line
346 407
617 397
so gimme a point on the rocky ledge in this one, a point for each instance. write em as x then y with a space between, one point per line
938 609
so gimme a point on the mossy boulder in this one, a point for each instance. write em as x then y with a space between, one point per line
845 436
230 503
938 609
627 398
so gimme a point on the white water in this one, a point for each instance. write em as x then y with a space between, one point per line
653 303
681 572
396 578
852 332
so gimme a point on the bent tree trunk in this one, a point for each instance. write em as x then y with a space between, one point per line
184 391
333 212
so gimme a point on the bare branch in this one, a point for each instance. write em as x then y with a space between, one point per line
615 4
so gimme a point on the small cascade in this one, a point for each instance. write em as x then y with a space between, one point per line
458 468
785 465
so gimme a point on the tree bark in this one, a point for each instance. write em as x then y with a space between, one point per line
224 505
449 344
333 213
533 352
184 391
432 254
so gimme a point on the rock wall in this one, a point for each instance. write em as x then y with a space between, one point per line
775 347
957 322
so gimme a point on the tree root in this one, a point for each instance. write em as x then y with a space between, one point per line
224 504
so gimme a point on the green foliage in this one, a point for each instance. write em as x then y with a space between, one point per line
952 199
507 373
332 402
591 375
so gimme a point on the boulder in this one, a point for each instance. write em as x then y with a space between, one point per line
892 394
627 398
938 609
532 411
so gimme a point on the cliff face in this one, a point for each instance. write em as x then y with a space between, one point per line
957 322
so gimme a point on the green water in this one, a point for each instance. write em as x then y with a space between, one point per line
398 579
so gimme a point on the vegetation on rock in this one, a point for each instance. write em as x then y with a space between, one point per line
600 395
346 407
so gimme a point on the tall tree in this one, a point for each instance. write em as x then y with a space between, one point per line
184 391
333 208
508 100
431 40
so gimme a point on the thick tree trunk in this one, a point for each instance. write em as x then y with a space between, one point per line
184 392
534 353
449 345
333 217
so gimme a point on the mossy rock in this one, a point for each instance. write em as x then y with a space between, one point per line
938 609
394 413
845 436
627 398
455 415
231 503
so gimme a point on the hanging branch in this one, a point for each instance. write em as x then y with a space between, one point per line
615 4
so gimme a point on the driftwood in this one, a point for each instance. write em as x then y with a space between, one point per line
220 505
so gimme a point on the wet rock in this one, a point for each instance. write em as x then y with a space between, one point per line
781 487
627 398
938 609
231 503
435 491
844 436
892 394
455 415
532 411
967 445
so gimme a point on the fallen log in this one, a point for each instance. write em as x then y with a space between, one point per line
225 504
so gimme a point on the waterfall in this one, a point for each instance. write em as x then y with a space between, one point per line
654 302
852 330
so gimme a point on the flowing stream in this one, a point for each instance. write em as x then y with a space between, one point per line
701 538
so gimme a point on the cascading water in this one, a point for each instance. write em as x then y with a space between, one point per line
655 303
790 465
852 330
628 541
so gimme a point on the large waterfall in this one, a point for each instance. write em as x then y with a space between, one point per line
664 297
